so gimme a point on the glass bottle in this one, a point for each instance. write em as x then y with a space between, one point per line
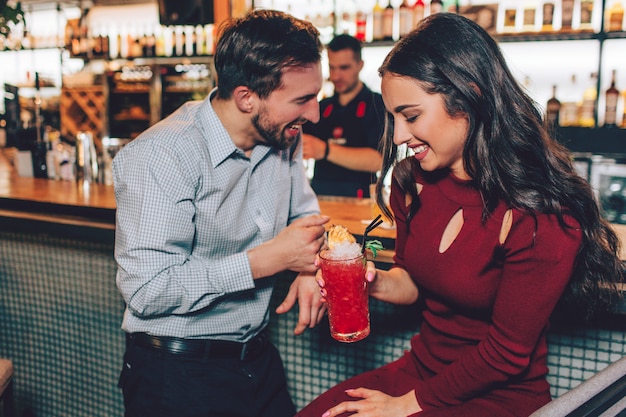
436 6
388 14
569 107
377 22
418 11
406 19
553 110
611 97
361 25
547 16
586 14
567 14
588 107
615 17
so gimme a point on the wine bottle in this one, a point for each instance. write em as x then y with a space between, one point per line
553 110
548 16
567 14
436 6
418 11
611 96
615 17
406 19
588 107
377 22
388 14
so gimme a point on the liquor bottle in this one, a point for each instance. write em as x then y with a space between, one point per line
615 17
567 14
377 22
529 15
508 16
436 6
406 18
611 97
623 125
418 11
588 107
553 110
388 17
361 25
548 16
586 14
569 104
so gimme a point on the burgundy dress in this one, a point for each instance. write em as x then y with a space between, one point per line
481 350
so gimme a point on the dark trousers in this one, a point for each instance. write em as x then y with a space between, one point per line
161 384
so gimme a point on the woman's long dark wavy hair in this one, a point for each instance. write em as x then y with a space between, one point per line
508 153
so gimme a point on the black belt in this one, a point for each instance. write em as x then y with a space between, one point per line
202 348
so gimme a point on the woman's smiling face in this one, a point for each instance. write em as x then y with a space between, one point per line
423 124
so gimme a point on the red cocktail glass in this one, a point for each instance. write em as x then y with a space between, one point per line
346 297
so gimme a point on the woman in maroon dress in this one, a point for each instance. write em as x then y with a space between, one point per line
494 229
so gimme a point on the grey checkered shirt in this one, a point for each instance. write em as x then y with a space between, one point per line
189 207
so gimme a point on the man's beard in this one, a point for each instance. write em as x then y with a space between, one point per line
273 134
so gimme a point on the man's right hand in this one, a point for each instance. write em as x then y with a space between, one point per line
294 248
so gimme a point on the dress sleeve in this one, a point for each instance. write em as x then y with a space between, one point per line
539 257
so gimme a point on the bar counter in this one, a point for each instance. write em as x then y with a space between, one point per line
60 310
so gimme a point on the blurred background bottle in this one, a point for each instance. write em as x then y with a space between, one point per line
436 6
406 18
614 17
567 14
553 110
588 107
418 11
611 97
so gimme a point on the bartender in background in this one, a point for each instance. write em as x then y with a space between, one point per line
344 142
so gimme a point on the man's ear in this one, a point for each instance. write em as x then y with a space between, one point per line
244 99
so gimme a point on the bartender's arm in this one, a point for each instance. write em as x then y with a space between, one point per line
357 159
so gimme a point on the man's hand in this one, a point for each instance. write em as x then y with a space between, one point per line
294 248
313 147
306 291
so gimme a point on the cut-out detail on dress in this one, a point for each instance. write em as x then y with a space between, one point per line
451 231
407 197
507 222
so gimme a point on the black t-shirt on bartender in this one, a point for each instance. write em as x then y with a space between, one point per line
358 124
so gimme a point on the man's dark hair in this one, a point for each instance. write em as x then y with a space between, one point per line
341 42
254 50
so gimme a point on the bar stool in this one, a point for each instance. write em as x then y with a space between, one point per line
6 387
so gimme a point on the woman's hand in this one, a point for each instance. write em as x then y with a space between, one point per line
374 403
370 276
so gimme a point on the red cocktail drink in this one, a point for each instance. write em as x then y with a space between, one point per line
346 297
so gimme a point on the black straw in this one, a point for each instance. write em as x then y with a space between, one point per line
373 225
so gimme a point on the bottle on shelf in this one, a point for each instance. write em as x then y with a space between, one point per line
508 17
553 110
418 12
623 125
361 25
567 14
611 96
377 22
405 18
436 6
588 106
614 17
529 16
388 18
569 106
586 14
547 17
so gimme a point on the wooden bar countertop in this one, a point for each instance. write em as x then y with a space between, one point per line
93 205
